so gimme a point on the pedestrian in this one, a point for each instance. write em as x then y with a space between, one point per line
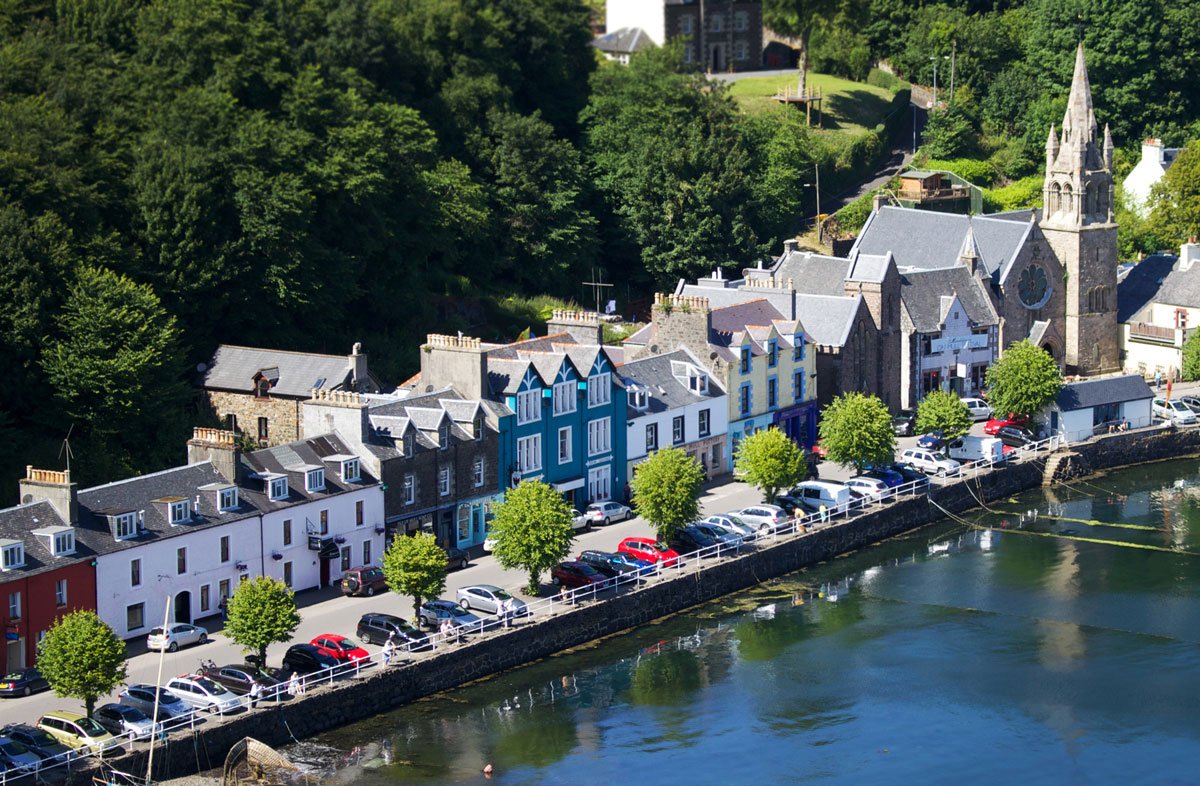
507 612
224 607
1157 379
295 686
255 693
447 630
824 511
389 648
797 517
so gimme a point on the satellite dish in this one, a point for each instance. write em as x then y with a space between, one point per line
201 368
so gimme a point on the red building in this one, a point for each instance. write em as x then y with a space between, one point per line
47 566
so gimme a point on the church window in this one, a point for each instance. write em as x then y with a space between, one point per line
1091 198
1055 199
1068 202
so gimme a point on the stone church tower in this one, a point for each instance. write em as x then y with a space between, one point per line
1077 222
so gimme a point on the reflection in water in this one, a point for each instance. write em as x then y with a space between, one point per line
998 656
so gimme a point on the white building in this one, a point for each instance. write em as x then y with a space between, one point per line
673 401
1154 163
1100 405
1158 307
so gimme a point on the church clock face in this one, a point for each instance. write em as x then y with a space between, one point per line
1033 288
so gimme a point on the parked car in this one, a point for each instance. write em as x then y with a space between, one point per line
836 497
340 648
457 558
911 475
172 710
888 476
733 523
77 731
23 683
650 550
689 539
1191 402
1014 436
121 720
1173 411
607 512
16 757
238 678
904 423
1019 421
873 488
969 449
363 581
204 694
615 564
724 537
36 740
434 611
488 597
931 441
764 518
176 635
574 574
977 408
305 660
929 462
375 629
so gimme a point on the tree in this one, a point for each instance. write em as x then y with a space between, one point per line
770 460
948 134
532 530
416 567
797 19
1175 199
1191 358
1023 381
666 490
262 612
82 658
945 412
856 430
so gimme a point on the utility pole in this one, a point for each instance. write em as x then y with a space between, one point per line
953 49
597 284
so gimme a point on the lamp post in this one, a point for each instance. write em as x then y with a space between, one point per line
816 187
934 59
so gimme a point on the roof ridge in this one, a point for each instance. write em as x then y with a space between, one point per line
283 351
176 468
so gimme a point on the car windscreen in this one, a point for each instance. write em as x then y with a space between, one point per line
167 698
91 728
501 594
13 748
456 611
210 686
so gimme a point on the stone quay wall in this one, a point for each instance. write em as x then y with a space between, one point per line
377 690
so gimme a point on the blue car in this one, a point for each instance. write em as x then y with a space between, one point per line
931 441
888 476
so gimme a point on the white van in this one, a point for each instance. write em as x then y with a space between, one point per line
815 493
969 448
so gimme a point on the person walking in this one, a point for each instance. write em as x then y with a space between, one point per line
824 511
389 649
295 686
255 693
1157 379
224 607
507 612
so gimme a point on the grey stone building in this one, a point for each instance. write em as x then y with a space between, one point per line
717 35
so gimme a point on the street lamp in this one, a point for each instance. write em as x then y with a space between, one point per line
816 187
934 59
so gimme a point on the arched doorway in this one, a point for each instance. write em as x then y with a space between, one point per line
183 606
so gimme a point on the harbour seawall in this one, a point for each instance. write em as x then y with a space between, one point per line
378 691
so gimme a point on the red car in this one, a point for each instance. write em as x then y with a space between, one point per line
339 648
649 550
1020 421
574 574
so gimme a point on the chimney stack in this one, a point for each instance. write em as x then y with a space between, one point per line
54 487
790 245
583 326
358 368
218 446
458 361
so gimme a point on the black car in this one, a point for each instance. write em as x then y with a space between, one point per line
305 659
911 475
375 629
614 565
36 740
904 423
688 539
23 683
239 677
457 558
1014 437
789 503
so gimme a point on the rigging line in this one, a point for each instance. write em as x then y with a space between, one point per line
1106 542
1089 522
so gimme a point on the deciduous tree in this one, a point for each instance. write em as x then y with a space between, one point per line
666 490
532 530
1023 380
856 430
82 658
416 567
770 460
1175 199
261 612
1191 358
945 412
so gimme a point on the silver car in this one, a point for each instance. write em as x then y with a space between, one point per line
204 694
764 518
172 710
488 597
121 720
731 522
433 612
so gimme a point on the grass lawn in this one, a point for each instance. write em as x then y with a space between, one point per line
847 106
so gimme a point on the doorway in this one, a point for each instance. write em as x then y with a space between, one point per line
16 655
324 572
183 606
716 60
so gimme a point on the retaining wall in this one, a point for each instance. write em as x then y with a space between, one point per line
377 691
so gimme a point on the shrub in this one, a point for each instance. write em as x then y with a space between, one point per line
976 172
1026 192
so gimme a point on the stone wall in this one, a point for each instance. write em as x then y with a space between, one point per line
282 414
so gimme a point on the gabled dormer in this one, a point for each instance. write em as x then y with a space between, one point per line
176 510
314 479
59 541
124 524
224 496
12 554
639 398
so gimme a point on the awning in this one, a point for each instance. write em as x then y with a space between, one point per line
567 485
329 549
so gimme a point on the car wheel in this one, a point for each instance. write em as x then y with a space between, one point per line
365 638
27 691
555 581
462 563
173 647
763 531
607 521
941 472
203 638
370 590
466 604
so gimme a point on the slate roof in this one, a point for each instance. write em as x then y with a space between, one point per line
869 268
17 523
391 416
284 459
827 320
657 375
1157 279
625 41
734 318
1105 390
927 240
921 293
811 274
293 374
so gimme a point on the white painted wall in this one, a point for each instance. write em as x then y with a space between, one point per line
718 410
1149 170
306 568
1077 425
646 14
957 332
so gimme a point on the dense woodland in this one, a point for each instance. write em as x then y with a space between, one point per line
309 173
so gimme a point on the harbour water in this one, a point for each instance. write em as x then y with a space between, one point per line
1001 648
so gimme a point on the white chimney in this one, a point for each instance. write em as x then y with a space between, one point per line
1152 150
1189 253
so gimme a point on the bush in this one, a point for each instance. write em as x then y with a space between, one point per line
1026 192
948 134
885 80
850 219
978 173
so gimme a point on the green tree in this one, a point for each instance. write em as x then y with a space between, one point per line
770 460
532 530
666 490
1175 199
945 412
948 134
797 19
415 567
1191 358
82 658
261 612
856 430
1023 381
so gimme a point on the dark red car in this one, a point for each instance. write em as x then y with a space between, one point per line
1020 421
649 550
340 648
576 574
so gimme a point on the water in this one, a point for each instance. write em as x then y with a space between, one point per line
948 656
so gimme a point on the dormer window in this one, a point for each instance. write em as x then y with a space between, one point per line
641 400
262 387
350 471
314 480
478 428
179 511
278 489
227 499
125 526
409 445
798 349
744 365
698 383
64 543
12 555
444 436
772 354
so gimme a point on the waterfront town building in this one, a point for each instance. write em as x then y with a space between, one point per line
717 35
675 402
763 360
438 454
258 393
1150 168
566 396
1085 408
1158 307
